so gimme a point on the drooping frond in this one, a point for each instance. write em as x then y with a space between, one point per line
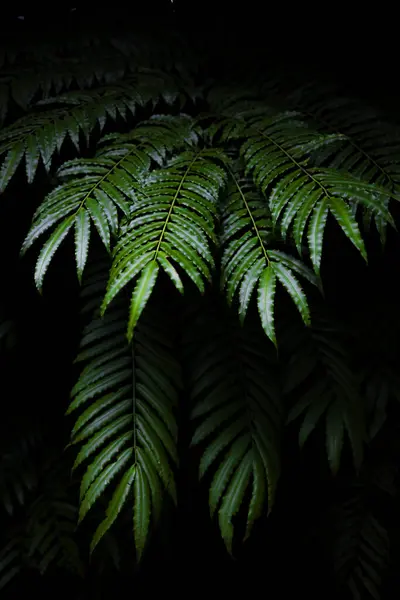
379 387
172 224
51 527
361 549
11 558
238 413
278 151
128 429
362 553
249 260
319 362
43 537
40 134
370 149
93 189
38 72
31 74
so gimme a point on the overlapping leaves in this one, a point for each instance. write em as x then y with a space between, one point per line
128 429
11 558
40 134
361 547
237 415
361 551
172 223
51 69
74 115
370 152
96 189
371 147
319 368
51 527
278 152
249 261
45 535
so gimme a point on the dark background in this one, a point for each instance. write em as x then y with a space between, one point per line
347 45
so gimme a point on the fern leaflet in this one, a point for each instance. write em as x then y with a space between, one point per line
128 426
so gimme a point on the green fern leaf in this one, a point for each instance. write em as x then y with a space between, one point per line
82 237
361 546
51 526
316 232
333 392
247 260
10 561
39 134
141 517
369 149
171 272
278 151
50 248
334 435
347 222
293 287
172 219
129 428
96 187
11 163
141 294
100 461
102 482
238 408
115 506
259 494
266 298
233 498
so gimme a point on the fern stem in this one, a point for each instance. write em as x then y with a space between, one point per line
100 181
171 208
251 216
294 161
355 145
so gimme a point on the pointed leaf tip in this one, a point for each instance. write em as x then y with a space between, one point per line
265 301
141 295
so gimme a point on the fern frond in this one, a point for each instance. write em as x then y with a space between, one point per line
44 537
11 559
278 152
249 261
319 358
238 413
128 427
379 386
370 149
48 72
361 549
40 134
51 531
95 188
172 224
